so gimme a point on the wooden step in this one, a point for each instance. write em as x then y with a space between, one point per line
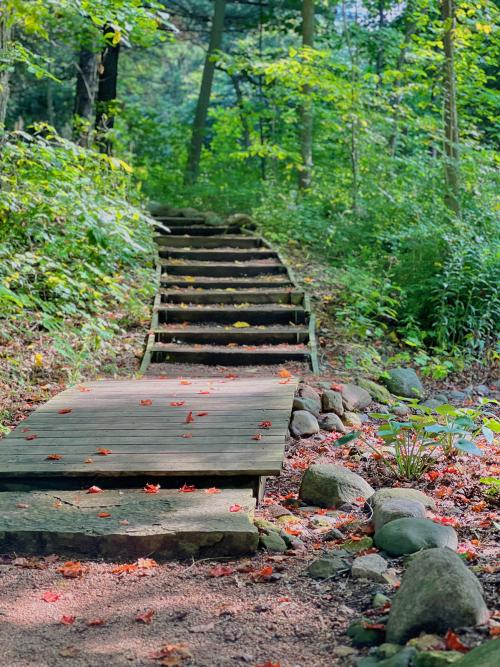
208 282
261 314
232 296
226 356
218 254
176 221
221 335
222 268
200 230
188 241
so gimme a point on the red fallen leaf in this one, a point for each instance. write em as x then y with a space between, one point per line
65 411
479 507
432 475
269 664
221 571
257 436
146 563
264 573
146 401
213 489
204 392
283 373
102 451
152 488
177 404
231 376
265 424
122 569
22 506
24 430
495 631
443 492
104 515
95 489
453 642
88 461
33 436
145 617
187 488
185 382
72 569
187 435
451 470
300 465
189 418
293 531
50 596
67 620
374 626
337 387
201 414
235 508
53 457
95 621
446 520
162 377
84 389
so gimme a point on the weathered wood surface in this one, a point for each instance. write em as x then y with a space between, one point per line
147 432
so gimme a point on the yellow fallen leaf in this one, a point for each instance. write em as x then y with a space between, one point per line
240 325
38 361
190 279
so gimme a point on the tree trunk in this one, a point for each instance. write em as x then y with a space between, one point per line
306 111
106 95
86 81
245 139
200 118
451 166
5 35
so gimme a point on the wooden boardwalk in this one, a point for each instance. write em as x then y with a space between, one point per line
159 427
226 297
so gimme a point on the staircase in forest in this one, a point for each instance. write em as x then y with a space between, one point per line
225 297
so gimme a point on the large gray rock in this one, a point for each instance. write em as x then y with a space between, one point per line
324 568
332 422
397 508
388 493
354 397
378 392
408 535
189 212
404 382
303 423
352 419
437 592
307 404
240 219
331 401
486 655
305 391
371 566
329 485
272 542
436 658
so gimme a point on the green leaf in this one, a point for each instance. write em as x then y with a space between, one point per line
345 439
469 447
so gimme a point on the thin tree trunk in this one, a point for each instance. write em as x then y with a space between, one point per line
5 36
306 111
200 118
451 166
106 95
245 139
86 82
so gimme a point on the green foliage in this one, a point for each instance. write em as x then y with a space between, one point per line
72 240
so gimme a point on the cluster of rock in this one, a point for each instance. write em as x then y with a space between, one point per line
437 593
209 217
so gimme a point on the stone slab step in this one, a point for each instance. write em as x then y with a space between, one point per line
227 356
222 269
218 254
210 282
261 314
162 526
232 296
216 241
230 335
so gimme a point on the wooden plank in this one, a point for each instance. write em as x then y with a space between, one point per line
89 446
116 437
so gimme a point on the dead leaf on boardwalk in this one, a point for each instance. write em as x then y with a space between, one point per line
172 655
84 389
146 401
146 563
33 436
53 457
65 411
102 451
257 436
240 325
145 617
265 424
104 515
152 488
187 488
185 382
235 508
22 506
201 414
50 596
283 373
88 461
213 489
95 489
189 418
187 435
67 620
72 569
177 404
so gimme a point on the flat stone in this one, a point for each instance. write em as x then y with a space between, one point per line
303 424
371 566
352 419
396 508
486 655
377 391
437 592
428 642
355 546
272 542
457 395
403 658
482 390
324 568
387 650
389 493
164 525
408 535
277 511
432 403
437 658
400 410
364 636
330 485
332 423
354 397
404 382
331 401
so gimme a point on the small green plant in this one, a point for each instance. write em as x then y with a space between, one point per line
492 484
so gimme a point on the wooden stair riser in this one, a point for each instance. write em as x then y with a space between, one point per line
231 357
193 242
208 283
232 297
230 315
181 230
222 269
217 254
222 336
